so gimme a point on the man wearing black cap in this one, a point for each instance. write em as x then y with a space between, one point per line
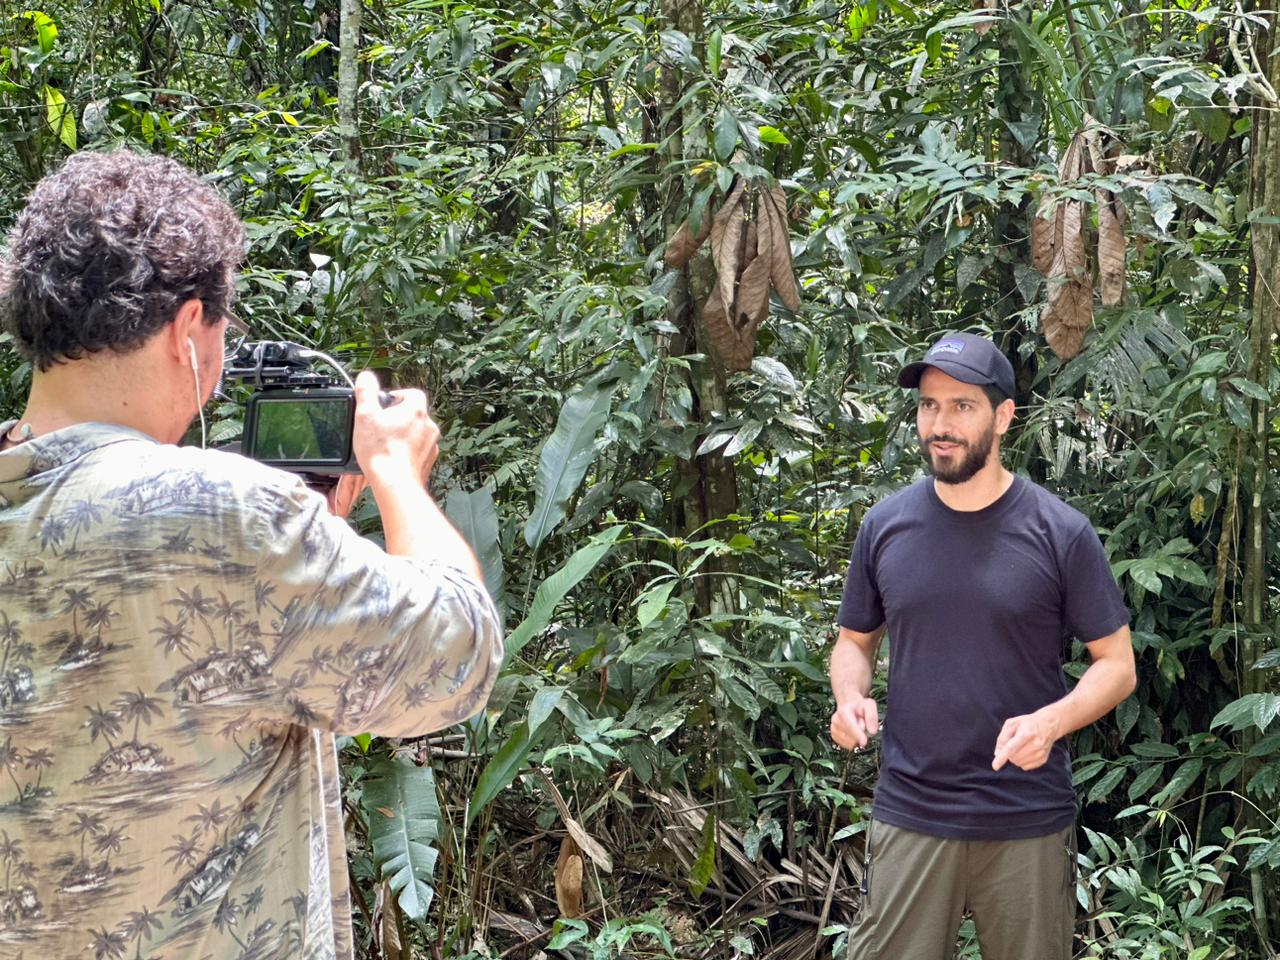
979 577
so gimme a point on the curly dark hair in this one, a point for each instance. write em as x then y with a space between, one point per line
107 249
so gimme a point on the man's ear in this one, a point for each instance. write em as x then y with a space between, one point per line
1004 416
186 322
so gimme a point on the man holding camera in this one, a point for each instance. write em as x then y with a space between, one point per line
979 577
182 631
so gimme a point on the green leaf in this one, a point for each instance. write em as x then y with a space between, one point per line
715 47
1102 789
773 135
776 374
653 601
476 517
704 868
1144 576
555 587
933 45
1155 751
726 134
314 49
1256 709
500 770
1145 780
1127 715
544 702
1160 200
46 30
1181 780
678 47
61 120
399 801
567 932
645 494
565 458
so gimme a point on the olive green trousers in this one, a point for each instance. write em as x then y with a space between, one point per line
916 888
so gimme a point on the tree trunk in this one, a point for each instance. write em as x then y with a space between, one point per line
349 82
1265 275
1014 104
707 486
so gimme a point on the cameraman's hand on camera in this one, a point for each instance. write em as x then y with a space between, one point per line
400 440
396 447
342 496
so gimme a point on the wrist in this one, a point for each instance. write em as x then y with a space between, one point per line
392 473
1051 717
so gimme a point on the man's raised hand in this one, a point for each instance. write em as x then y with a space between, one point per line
396 440
855 722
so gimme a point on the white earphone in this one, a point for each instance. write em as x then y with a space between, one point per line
195 372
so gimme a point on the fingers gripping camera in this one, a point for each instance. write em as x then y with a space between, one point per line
297 418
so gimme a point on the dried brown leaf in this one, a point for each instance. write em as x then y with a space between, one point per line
569 879
386 914
734 350
589 845
782 271
1069 261
684 243
1067 316
752 305
1042 238
1111 250
1069 312
984 6
727 229
1071 166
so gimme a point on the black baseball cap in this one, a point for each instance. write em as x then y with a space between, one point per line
967 357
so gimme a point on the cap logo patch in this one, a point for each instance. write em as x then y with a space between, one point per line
947 346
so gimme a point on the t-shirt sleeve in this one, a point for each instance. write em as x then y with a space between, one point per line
1093 605
363 642
861 609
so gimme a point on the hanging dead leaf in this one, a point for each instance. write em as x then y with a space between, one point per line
569 879
386 915
1067 316
1071 166
1069 311
726 236
1111 250
684 243
782 270
732 347
752 305
983 27
1042 238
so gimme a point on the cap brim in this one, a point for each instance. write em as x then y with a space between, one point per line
910 375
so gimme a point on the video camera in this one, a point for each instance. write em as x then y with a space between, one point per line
297 418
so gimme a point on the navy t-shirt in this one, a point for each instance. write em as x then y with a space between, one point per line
979 606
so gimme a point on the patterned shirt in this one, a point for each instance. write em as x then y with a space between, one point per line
182 632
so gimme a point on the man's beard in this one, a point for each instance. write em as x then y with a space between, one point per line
974 457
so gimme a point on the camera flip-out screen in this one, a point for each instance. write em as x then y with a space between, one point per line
301 429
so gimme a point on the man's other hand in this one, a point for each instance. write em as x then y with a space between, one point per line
394 442
343 495
1025 742
854 723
